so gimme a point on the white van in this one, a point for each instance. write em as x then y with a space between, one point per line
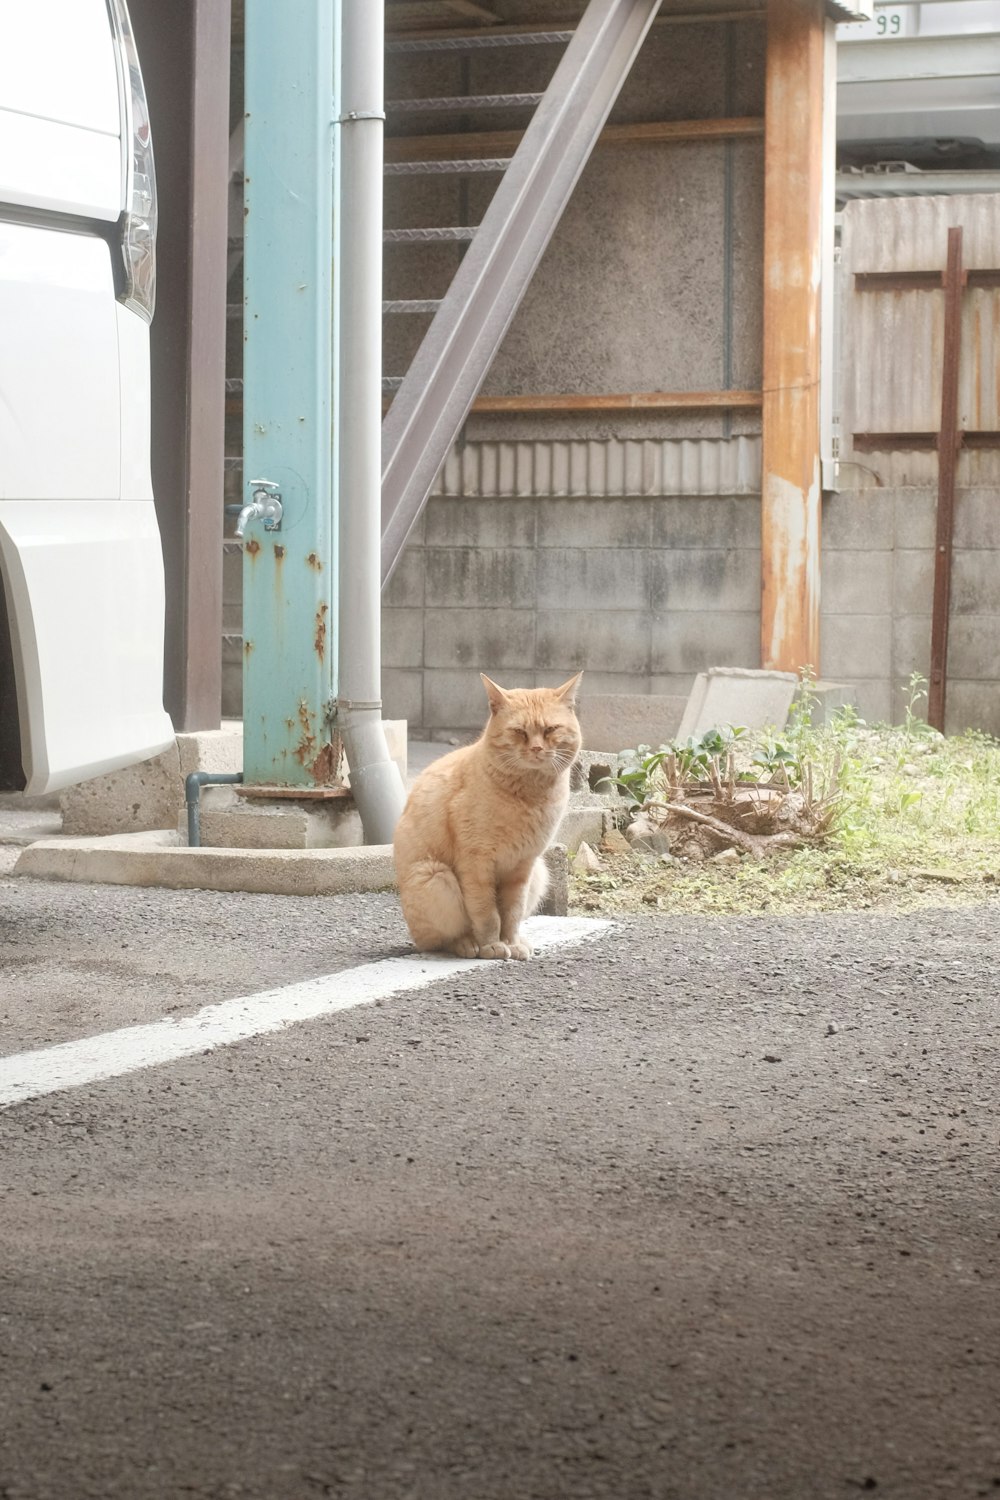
81 565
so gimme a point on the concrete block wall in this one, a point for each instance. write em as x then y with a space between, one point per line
641 592
877 593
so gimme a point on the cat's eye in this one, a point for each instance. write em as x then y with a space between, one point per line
522 735
549 729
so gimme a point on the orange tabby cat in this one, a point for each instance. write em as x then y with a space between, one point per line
468 843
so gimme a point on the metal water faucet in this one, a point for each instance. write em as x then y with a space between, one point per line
265 506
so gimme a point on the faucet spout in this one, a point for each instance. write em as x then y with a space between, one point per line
251 512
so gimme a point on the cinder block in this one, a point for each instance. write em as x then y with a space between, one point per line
858 521
977 519
488 639
972 647
581 825
691 577
972 705
706 522
725 695
572 638
853 647
915 513
501 577
594 522
405 588
596 578
827 698
913 582
975 583
403 695
911 647
874 700
855 582
612 722
455 700
597 682
691 641
402 637
457 522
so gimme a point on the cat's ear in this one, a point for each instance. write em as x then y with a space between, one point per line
567 693
494 693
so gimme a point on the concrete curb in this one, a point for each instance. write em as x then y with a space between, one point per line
159 859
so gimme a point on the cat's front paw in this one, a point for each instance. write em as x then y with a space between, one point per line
494 950
521 949
464 947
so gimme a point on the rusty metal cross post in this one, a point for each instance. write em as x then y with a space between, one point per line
949 439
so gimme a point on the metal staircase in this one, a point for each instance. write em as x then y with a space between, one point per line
542 156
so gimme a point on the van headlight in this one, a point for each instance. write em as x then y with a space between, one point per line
138 222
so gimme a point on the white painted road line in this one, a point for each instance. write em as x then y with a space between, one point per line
29 1075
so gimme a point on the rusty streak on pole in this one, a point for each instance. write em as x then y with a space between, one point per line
948 444
790 480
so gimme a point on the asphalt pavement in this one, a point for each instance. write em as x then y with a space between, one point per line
693 1209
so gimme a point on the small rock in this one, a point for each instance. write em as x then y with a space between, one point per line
615 842
585 861
832 1028
771 1057
725 857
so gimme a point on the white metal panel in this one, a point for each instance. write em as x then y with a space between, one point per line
57 62
60 417
61 168
84 584
133 355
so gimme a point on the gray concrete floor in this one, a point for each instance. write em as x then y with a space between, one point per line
705 1209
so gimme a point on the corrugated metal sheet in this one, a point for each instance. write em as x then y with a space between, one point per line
892 355
611 468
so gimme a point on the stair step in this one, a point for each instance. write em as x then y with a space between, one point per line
399 45
458 168
462 104
407 307
428 236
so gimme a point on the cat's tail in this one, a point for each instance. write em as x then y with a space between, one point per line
432 905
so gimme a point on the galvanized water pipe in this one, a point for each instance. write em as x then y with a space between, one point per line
375 779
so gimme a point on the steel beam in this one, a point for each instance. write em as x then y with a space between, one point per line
948 445
477 309
793 221
290 574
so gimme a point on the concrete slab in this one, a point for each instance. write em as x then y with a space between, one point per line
737 695
621 721
160 859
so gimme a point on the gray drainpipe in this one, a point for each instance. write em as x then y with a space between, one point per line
375 779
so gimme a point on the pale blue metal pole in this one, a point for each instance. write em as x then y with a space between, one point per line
290 564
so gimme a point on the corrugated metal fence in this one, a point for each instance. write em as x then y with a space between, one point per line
892 354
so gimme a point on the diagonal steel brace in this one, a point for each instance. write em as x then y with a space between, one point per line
460 344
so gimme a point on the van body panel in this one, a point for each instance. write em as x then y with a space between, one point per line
58 62
133 364
81 579
81 560
60 402
59 168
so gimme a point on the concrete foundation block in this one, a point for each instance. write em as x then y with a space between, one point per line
151 795
556 903
232 822
620 721
737 695
134 800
